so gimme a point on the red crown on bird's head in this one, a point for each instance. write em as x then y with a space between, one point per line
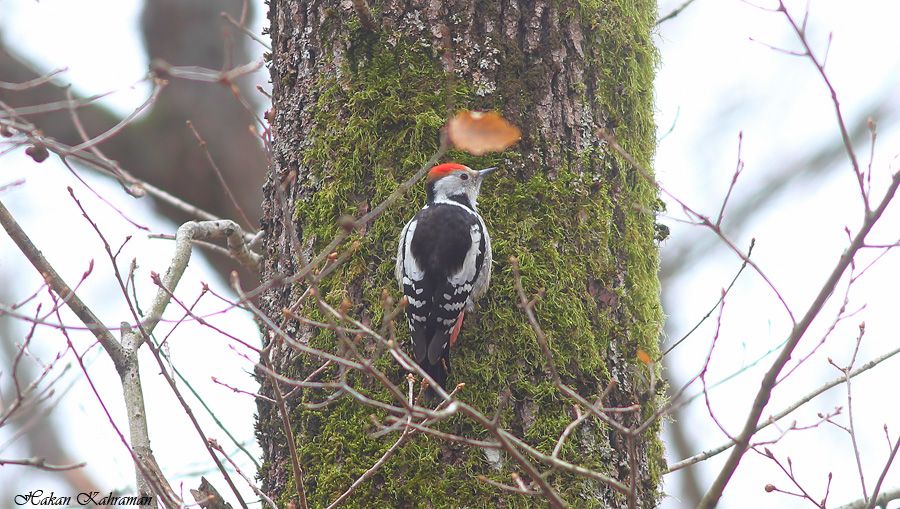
442 170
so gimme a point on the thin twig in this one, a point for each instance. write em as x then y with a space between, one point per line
768 383
579 418
215 167
52 278
700 219
820 67
96 140
371 471
785 412
852 431
710 312
249 33
505 487
25 85
215 445
289 436
884 472
675 12
42 464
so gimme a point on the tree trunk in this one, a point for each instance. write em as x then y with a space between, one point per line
355 112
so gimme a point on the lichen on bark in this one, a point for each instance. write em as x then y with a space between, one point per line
356 112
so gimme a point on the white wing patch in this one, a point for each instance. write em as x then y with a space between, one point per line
410 268
398 267
407 270
454 307
466 274
480 285
410 275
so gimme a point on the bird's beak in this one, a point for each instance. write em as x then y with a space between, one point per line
486 171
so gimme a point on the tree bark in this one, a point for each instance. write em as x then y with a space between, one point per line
356 112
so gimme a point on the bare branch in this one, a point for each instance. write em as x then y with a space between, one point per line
249 33
34 255
40 80
820 67
710 312
880 501
212 163
715 492
675 12
289 436
42 464
371 471
785 412
187 233
215 445
884 472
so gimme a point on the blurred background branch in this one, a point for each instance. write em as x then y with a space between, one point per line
158 147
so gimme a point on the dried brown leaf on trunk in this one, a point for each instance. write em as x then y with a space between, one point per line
481 132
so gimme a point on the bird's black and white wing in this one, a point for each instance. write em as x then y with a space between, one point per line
482 265
411 280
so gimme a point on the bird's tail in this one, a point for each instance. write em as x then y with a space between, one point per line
438 372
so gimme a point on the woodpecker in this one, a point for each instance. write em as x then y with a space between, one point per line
443 264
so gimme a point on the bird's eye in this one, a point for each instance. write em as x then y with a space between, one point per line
464 176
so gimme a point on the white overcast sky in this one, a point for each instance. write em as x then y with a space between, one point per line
713 82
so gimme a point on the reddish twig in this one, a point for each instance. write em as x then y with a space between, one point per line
768 383
41 463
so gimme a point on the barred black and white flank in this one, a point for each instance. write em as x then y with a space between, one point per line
443 264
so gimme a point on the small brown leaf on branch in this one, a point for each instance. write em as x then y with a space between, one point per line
479 133
644 357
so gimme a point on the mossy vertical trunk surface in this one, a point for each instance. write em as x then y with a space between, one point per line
356 112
